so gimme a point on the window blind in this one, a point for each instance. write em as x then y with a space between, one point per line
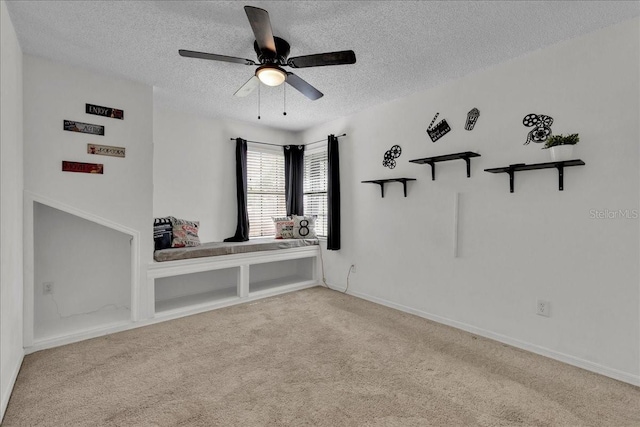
265 191
315 189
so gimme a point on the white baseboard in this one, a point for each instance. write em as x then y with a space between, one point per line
85 334
543 351
6 393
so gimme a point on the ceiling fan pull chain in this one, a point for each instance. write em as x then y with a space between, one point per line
258 101
284 108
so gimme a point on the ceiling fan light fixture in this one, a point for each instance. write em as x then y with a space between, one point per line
271 75
273 53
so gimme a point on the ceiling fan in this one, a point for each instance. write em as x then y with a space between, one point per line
273 54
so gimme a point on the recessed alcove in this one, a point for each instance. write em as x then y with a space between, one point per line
82 274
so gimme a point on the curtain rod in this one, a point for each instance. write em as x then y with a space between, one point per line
278 145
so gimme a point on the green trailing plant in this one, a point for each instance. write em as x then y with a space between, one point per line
561 140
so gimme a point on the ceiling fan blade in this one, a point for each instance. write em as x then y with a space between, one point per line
248 87
261 26
305 88
214 57
322 59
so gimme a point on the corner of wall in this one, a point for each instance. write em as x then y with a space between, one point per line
11 212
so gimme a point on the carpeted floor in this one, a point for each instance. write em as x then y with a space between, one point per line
314 357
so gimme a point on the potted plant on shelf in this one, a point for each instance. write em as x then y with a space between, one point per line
561 146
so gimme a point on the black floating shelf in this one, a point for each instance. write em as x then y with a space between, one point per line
382 182
431 161
550 165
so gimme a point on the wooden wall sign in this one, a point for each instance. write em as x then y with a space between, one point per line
94 168
104 111
105 150
72 126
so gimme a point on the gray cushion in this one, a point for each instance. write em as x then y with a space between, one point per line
227 248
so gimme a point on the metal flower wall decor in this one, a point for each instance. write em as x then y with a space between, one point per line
541 127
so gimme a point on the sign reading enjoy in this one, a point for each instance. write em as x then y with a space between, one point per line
72 126
104 111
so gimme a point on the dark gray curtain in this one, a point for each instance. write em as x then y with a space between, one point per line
242 230
333 194
294 179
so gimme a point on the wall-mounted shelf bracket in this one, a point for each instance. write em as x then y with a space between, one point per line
431 161
511 169
382 182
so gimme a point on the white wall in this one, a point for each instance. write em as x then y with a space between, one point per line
54 92
513 248
194 168
11 184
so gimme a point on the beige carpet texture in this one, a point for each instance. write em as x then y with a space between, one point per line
310 358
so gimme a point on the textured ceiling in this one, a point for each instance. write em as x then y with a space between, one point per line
401 47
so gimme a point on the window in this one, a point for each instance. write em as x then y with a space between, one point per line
315 188
265 191
266 194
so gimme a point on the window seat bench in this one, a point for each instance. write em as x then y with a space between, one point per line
185 281
227 248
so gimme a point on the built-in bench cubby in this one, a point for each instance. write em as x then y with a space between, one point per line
268 276
176 293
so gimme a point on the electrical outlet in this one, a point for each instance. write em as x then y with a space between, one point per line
353 268
543 308
47 288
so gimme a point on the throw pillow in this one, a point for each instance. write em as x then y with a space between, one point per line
304 227
284 227
162 233
287 230
185 233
